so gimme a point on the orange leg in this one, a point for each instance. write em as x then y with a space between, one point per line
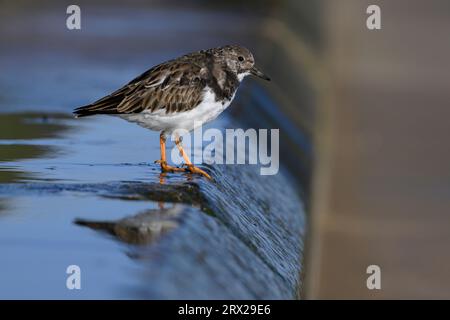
164 166
188 164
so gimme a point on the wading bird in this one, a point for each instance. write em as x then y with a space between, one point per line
182 93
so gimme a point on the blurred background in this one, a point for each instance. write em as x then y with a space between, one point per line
381 184
363 117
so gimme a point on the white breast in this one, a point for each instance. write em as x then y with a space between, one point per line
206 111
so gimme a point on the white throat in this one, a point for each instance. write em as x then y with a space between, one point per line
241 76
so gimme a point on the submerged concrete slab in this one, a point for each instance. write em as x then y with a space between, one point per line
237 237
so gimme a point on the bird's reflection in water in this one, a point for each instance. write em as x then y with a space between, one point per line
163 177
141 229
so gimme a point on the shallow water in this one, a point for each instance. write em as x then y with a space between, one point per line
86 191
64 187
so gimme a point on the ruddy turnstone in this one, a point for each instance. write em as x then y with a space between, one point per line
182 93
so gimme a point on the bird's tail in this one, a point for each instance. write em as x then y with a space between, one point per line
106 105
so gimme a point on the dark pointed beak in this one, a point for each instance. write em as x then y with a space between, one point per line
254 71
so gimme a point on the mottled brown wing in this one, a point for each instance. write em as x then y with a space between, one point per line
173 86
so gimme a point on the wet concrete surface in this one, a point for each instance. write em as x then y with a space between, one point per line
86 191
241 227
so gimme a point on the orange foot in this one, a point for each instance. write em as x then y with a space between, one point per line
166 168
194 169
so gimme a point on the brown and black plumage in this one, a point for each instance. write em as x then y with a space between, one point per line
182 93
174 86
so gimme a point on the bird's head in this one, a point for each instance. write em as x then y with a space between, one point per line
240 60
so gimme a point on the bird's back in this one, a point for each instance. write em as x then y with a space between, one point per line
172 86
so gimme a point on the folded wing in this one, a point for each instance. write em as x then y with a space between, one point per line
171 87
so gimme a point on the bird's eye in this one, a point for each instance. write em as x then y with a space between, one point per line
241 58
